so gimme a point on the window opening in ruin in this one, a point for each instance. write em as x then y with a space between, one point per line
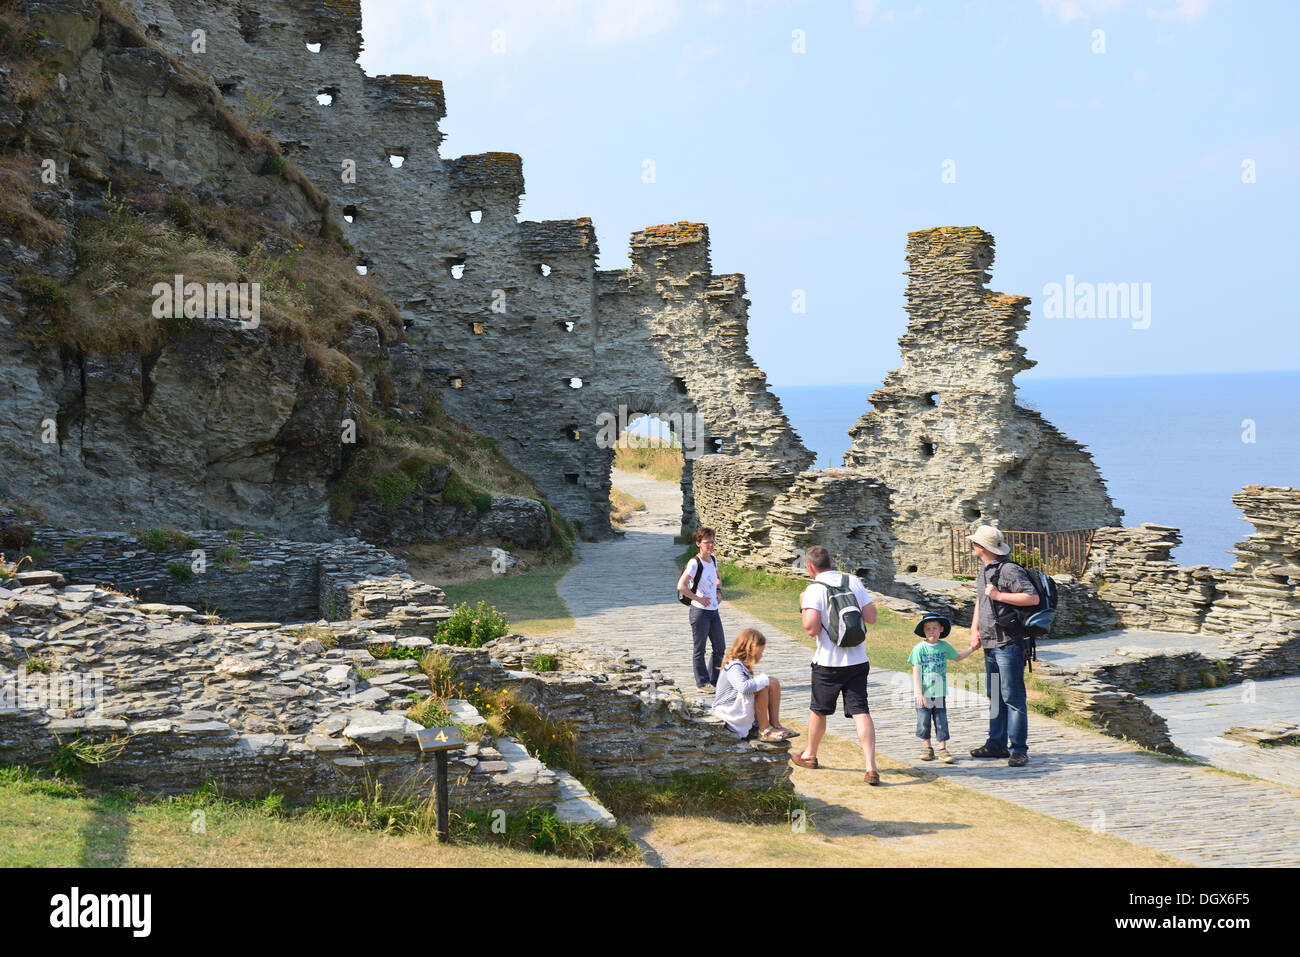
362 269
571 478
476 215
932 398
326 97
226 89
544 269
972 514
715 446
456 267
911 569
477 327
572 432
566 326
928 448
349 213
455 382
250 24
395 160
574 382
313 48
153 31
680 385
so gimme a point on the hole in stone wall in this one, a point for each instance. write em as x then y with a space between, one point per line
928 448
153 31
566 326
396 161
456 267
932 398
250 24
477 327
911 569
571 478
326 97
972 513
544 269
349 213
679 385
574 382
227 89
476 215
363 269
572 432
715 445
456 382
313 48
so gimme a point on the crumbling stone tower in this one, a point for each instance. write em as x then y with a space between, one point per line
945 433
524 338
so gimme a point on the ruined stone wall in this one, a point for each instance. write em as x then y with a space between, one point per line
945 433
1133 573
528 342
1263 585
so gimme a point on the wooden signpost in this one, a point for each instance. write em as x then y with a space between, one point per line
440 741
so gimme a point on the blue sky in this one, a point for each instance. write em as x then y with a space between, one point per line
1122 166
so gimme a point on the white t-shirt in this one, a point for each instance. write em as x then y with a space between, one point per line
708 582
814 596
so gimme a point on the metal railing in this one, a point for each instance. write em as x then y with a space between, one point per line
1063 552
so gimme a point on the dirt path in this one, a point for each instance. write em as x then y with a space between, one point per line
622 595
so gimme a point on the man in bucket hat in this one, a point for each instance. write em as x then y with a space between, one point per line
1001 583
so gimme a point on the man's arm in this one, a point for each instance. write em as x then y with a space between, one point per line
1024 596
869 613
975 627
812 621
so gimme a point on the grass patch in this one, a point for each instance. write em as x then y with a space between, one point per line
161 539
472 627
53 822
621 507
712 793
654 458
550 741
530 601
545 661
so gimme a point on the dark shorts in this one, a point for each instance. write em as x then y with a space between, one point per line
829 683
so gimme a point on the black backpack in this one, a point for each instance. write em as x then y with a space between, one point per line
695 581
846 628
1030 622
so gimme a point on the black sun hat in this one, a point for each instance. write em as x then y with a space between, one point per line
919 630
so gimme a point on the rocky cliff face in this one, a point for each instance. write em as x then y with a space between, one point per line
945 433
124 169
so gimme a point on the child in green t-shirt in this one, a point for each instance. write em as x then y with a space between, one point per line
929 661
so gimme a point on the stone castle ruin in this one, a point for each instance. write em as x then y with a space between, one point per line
525 337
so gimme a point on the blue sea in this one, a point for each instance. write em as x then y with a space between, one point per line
1172 449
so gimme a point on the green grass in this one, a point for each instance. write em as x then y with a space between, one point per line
529 600
713 793
52 822
774 599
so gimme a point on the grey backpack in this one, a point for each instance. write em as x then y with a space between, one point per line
846 628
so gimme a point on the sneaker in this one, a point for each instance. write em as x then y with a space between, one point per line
986 752
1018 760
927 754
945 757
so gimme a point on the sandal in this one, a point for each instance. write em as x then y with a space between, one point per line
787 734
771 736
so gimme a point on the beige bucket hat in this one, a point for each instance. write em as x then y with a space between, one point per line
989 537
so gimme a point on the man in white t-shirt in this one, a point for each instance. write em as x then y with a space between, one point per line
836 671
706 623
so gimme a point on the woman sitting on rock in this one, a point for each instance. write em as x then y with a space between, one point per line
745 702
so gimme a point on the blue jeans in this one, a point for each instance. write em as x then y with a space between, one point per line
1004 671
706 626
939 715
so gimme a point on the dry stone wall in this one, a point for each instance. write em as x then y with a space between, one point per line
1133 573
526 339
945 432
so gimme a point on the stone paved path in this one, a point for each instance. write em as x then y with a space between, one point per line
622 595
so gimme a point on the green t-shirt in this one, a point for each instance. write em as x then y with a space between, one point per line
933 660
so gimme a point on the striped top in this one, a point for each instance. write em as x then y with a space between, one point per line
733 701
